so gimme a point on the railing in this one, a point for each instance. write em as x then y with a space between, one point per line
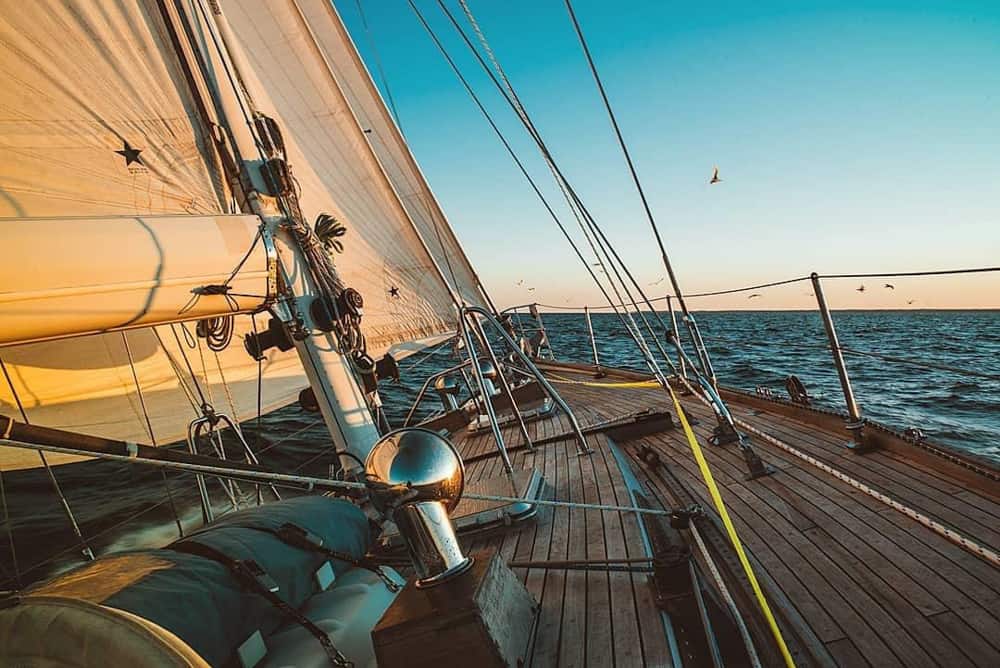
855 419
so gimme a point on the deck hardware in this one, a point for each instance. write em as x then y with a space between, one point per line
797 391
275 336
484 392
855 423
680 518
598 371
430 467
671 574
582 447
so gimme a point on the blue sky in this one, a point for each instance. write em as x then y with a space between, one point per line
850 136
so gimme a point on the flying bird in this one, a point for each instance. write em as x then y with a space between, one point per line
756 294
715 176
520 282
657 282
911 301
862 288
890 286
531 289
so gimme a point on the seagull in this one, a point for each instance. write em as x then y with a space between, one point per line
862 288
520 282
911 301
657 282
890 286
715 176
756 294
531 289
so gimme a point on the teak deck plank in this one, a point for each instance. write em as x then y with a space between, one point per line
872 585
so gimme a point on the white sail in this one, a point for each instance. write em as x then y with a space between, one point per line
329 122
98 120
354 79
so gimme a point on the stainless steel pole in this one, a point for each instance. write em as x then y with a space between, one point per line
593 343
504 384
673 327
582 447
470 346
855 422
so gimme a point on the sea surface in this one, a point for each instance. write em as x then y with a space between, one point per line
953 398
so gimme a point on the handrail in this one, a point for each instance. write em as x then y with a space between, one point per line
582 447
855 421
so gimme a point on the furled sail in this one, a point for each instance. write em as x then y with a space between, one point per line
351 163
98 121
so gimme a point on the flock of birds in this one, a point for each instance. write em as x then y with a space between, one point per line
712 181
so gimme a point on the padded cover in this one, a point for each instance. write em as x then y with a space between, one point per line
198 599
47 632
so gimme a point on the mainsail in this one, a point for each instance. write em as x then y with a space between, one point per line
100 119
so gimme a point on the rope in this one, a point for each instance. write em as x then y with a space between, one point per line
632 384
937 527
942 272
569 504
734 610
734 538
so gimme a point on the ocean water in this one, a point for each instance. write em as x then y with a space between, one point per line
120 506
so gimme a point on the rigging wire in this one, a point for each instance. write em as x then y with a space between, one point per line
378 65
149 428
627 155
85 548
942 272
595 236
8 525
518 163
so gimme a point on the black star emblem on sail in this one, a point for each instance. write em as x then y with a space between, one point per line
394 292
130 154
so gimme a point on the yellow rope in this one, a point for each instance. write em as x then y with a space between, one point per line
569 381
713 490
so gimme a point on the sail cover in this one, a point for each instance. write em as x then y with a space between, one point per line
98 119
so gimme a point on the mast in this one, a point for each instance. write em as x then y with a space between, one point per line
341 400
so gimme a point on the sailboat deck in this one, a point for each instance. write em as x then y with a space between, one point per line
855 581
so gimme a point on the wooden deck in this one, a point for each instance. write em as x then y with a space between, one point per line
854 581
